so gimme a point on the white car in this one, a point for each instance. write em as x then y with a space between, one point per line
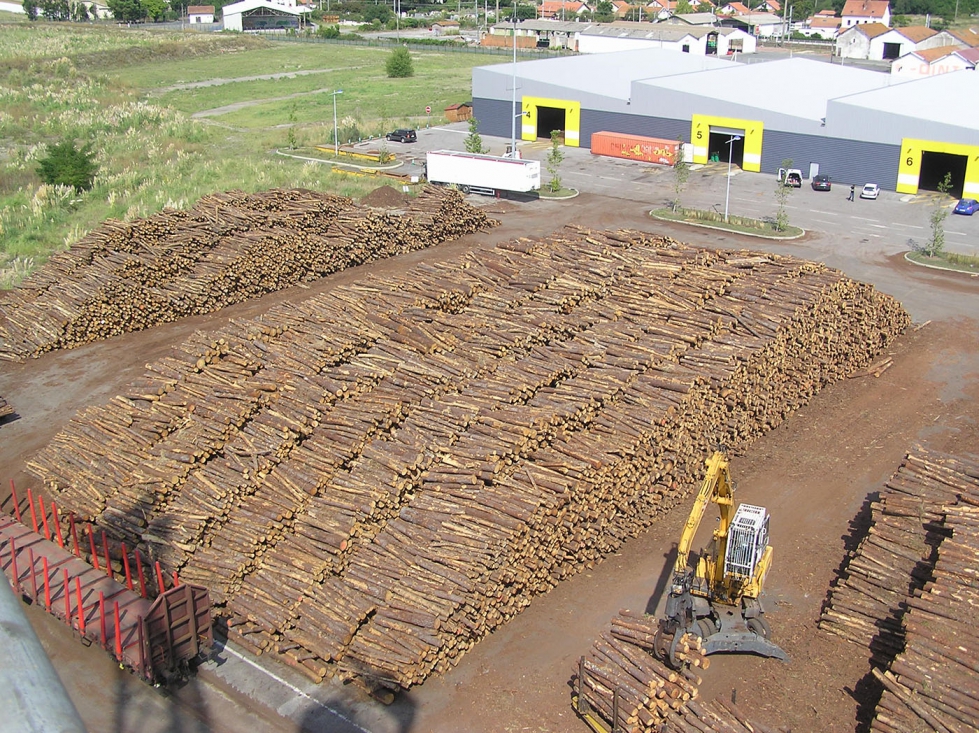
870 191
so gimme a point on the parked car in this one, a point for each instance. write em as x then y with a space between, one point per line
791 177
402 136
821 183
870 191
966 207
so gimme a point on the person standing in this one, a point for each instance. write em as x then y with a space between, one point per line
853 190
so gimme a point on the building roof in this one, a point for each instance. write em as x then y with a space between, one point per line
774 5
774 85
245 5
871 30
932 54
547 25
692 18
827 12
458 106
824 22
556 6
200 10
609 74
968 54
950 99
968 36
916 33
865 8
757 19
736 7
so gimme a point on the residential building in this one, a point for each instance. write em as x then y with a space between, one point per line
859 12
200 14
933 61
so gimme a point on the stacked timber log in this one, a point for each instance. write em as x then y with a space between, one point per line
5 408
933 684
230 247
897 557
621 681
371 480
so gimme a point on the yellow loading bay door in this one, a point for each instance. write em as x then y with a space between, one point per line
552 114
918 156
705 127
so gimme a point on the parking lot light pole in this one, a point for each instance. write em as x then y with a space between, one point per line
730 154
513 108
336 132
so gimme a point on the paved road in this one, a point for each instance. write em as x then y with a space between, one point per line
862 227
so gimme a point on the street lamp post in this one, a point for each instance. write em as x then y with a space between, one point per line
336 132
730 154
513 108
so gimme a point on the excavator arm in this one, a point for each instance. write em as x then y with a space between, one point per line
716 488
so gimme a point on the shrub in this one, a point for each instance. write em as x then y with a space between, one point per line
66 165
399 64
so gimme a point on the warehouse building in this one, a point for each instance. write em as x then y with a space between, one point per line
855 125
264 16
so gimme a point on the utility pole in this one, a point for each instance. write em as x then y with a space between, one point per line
513 107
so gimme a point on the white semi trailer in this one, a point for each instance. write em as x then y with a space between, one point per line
485 174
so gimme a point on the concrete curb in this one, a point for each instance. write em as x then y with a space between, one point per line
939 267
575 195
342 165
801 234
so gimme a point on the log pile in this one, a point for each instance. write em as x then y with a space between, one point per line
371 480
5 408
933 685
897 557
127 276
626 685
621 682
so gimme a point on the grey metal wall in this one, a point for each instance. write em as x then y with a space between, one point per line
494 117
845 161
593 121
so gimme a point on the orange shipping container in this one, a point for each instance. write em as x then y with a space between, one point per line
635 147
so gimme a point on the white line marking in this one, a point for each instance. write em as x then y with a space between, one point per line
912 226
862 218
825 213
295 689
879 226
959 234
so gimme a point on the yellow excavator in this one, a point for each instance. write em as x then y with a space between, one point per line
719 599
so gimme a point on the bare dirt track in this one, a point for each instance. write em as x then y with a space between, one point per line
813 473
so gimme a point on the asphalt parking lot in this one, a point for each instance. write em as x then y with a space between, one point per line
860 228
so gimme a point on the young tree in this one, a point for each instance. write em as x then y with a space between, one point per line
681 172
66 165
291 135
30 9
682 7
604 12
936 245
155 9
474 143
399 64
782 193
554 159
126 10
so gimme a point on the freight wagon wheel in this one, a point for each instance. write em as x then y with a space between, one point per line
464 189
760 627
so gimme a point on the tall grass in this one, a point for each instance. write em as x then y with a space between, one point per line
66 81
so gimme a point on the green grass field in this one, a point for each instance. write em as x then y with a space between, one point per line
117 90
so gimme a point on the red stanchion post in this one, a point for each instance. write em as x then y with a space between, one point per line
105 551
30 501
139 572
66 589
74 534
81 607
102 618
13 495
30 555
147 673
57 525
47 585
13 562
118 633
159 577
44 517
91 544
176 580
125 565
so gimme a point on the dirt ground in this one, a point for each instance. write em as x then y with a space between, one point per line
814 473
